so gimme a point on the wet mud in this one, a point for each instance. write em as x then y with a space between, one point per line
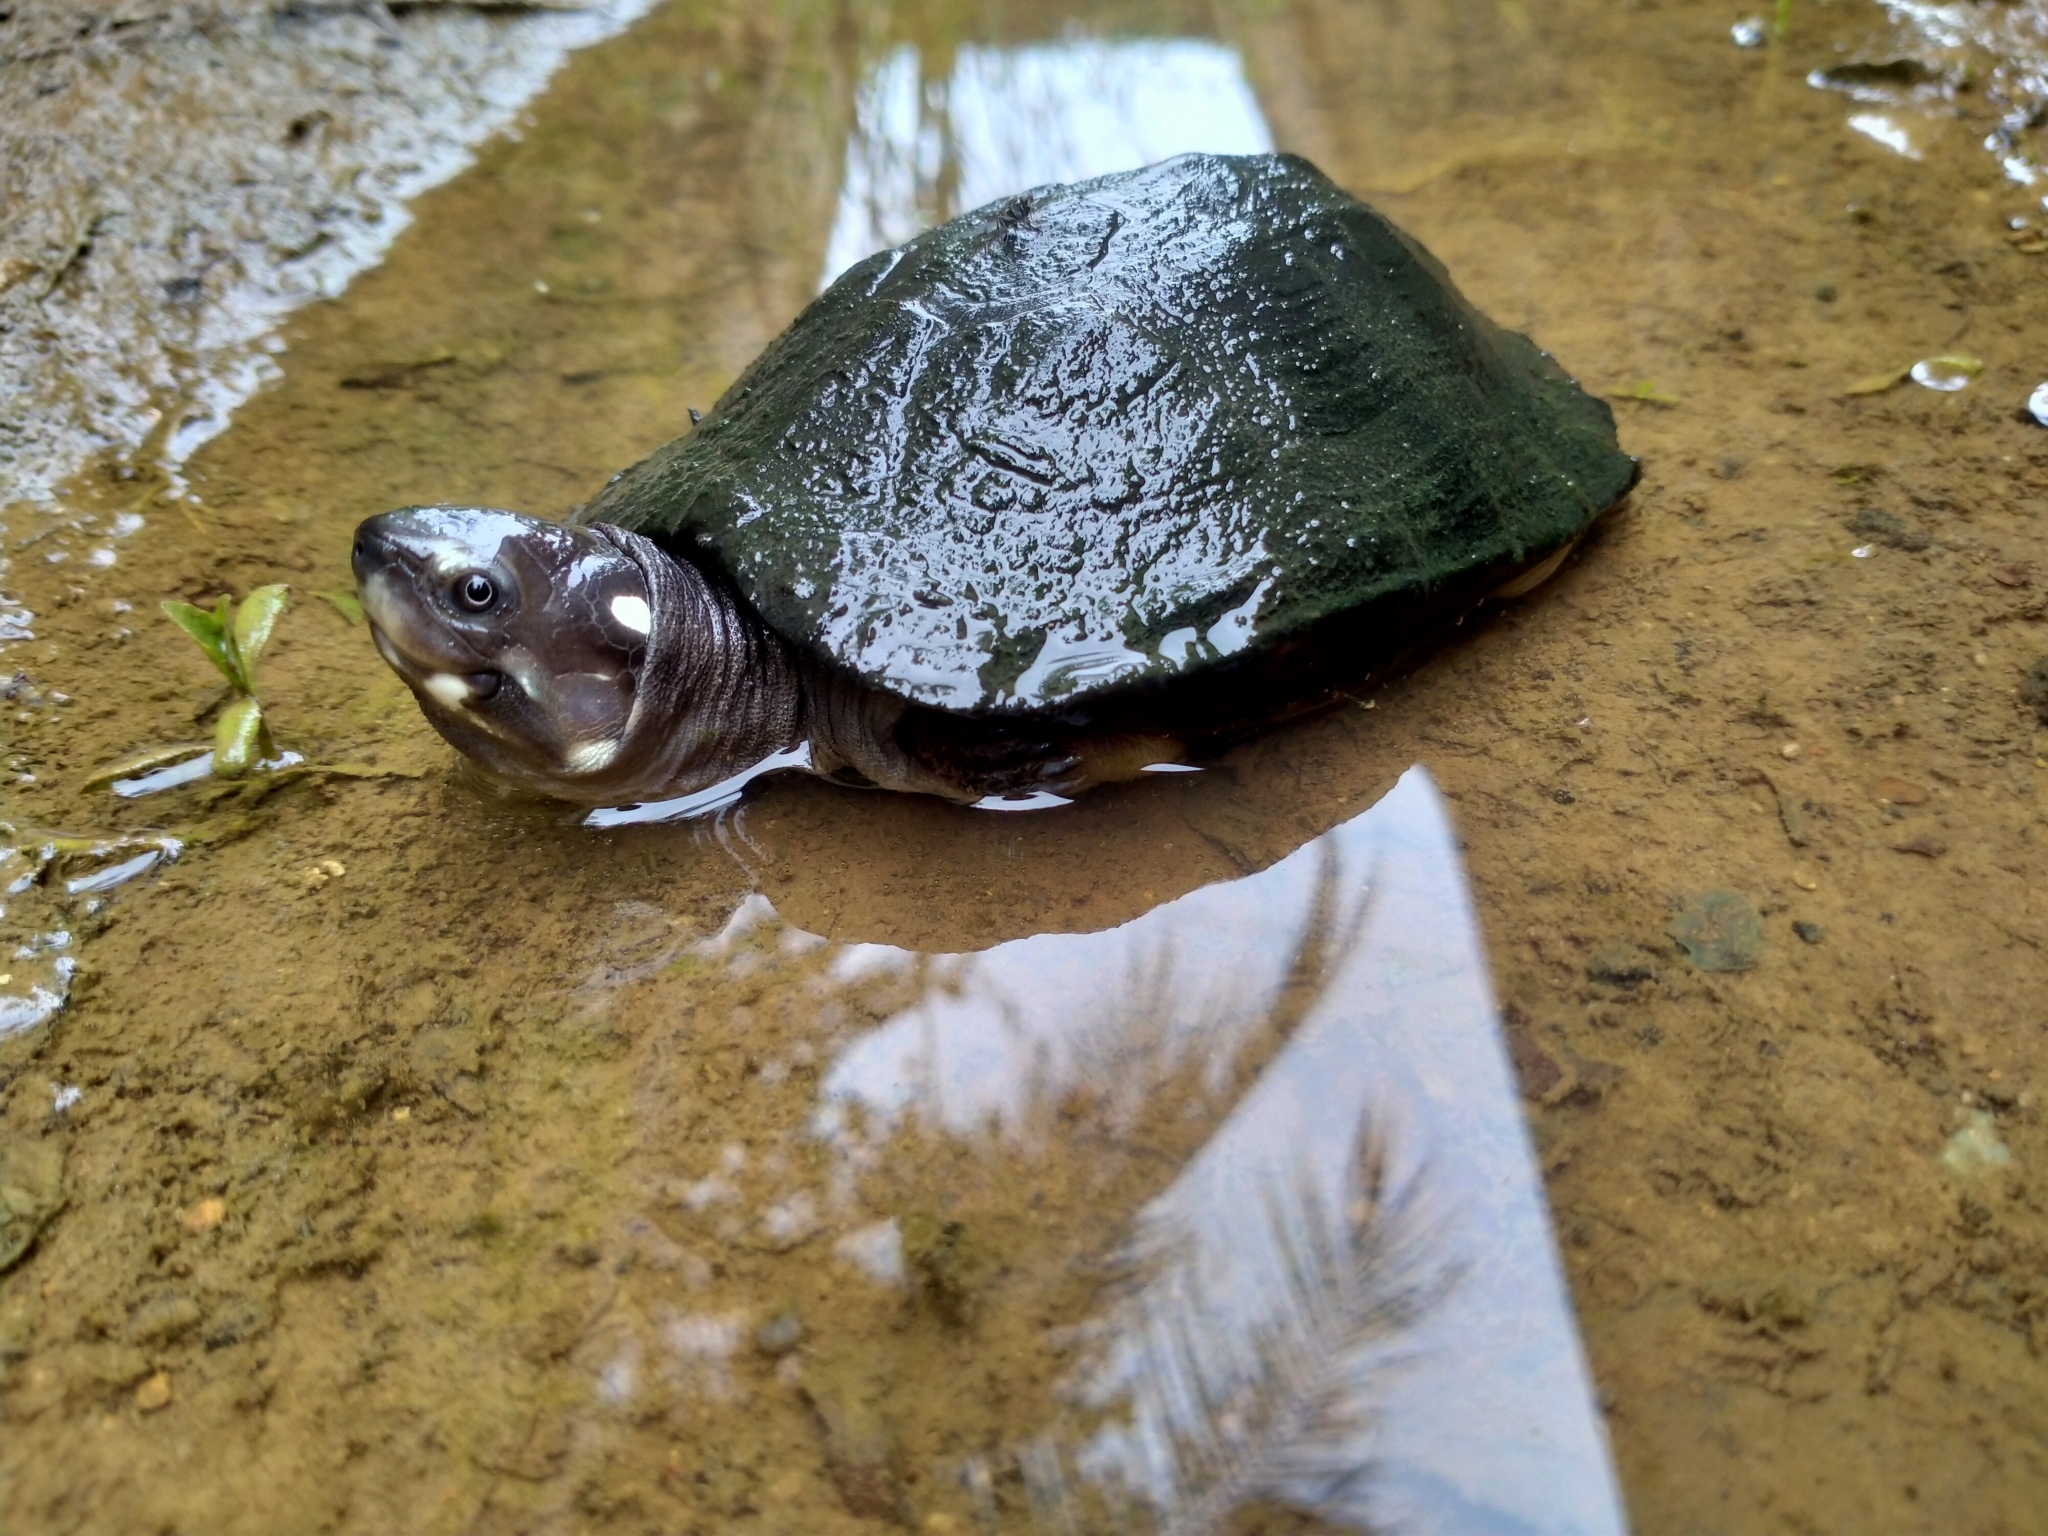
180 176
408 1158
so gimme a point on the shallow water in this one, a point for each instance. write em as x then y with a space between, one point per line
408 1159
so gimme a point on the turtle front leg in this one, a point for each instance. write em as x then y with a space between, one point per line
855 738
897 745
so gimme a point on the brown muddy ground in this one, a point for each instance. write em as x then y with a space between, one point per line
374 1178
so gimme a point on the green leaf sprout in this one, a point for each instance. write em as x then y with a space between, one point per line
234 638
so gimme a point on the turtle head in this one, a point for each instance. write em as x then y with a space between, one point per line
523 640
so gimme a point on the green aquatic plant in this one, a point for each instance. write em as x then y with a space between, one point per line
233 637
343 601
1781 24
1645 392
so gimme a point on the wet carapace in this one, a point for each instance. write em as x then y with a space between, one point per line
1059 490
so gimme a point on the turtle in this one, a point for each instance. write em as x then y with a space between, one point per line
1076 485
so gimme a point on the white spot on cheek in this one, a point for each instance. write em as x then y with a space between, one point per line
447 689
632 612
377 601
591 756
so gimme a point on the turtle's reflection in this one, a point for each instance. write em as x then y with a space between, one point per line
1228 1208
1023 1037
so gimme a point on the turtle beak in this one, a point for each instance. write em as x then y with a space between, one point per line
397 564
376 551
396 541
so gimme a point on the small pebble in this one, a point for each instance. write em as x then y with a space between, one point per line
313 876
1718 931
1976 1146
1804 879
1789 750
2037 405
1810 932
1899 792
206 1215
780 1334
402 1114
154 1393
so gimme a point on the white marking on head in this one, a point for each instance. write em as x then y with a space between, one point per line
633 613
448 690
591 756
373 592
451 558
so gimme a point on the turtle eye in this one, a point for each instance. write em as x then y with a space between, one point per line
475 592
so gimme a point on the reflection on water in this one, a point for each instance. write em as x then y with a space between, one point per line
500 1183
708 801
1937 63
1005 120
1346 1297
51 887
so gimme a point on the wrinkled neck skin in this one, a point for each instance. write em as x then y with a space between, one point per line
719 692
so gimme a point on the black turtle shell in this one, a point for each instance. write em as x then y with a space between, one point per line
1112 438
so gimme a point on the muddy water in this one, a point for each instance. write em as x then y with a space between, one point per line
408 1159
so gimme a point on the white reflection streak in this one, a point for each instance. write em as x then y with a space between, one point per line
1876 125
1493 1426
1273 1388
890 156
1248 1360
1017 1026
1067 111
704 802
1999 53
1009 119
